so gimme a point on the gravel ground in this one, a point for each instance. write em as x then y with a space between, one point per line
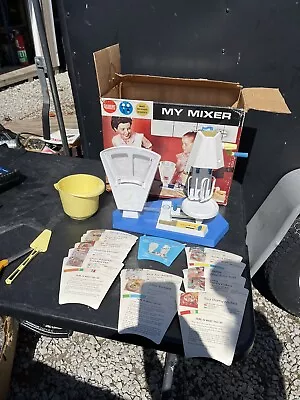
87 367
25 100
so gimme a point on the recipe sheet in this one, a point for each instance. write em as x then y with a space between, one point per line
147 302
210 324
212 307
89 271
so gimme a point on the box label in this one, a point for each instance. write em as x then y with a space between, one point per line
199 114
170 130
127 108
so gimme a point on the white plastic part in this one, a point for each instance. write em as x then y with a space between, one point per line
165 211
130 214
273 219
205 192
130 172
166 172
167 221
198 210
207 152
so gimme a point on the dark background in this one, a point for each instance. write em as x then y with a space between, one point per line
253 42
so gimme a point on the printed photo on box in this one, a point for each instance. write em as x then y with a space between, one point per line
157 127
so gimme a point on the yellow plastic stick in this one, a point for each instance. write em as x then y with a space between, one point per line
20 268
229 146
39 245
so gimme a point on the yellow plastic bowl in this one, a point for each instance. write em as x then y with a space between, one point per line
79 195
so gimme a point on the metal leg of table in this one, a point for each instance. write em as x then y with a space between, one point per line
170 363
46 53
41 71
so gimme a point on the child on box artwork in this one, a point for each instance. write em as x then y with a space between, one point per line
125 136
188 139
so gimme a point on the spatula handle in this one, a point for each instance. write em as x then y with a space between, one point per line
3 264
20 268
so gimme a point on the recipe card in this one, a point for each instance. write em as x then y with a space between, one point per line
147 302
89 270
210 324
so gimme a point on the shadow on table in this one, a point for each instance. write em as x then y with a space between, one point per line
257 377
35 380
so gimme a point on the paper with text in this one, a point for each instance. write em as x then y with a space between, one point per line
88 272
147 303
198 255
210 324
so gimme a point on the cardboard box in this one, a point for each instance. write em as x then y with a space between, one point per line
164 114
7 353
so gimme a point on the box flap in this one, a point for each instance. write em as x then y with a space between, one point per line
179 90
179 81
264 99
107 64
179 94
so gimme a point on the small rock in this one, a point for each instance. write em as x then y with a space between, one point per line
297 340
250 390
106 372
119 385
107 380
43 351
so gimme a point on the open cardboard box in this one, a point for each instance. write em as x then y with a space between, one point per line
164 114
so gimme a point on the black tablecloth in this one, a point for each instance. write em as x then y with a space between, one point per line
35 205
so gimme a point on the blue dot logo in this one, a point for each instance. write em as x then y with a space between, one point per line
125 107
207 128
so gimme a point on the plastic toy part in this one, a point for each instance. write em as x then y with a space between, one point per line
147 221
79 195
130 171
201 211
